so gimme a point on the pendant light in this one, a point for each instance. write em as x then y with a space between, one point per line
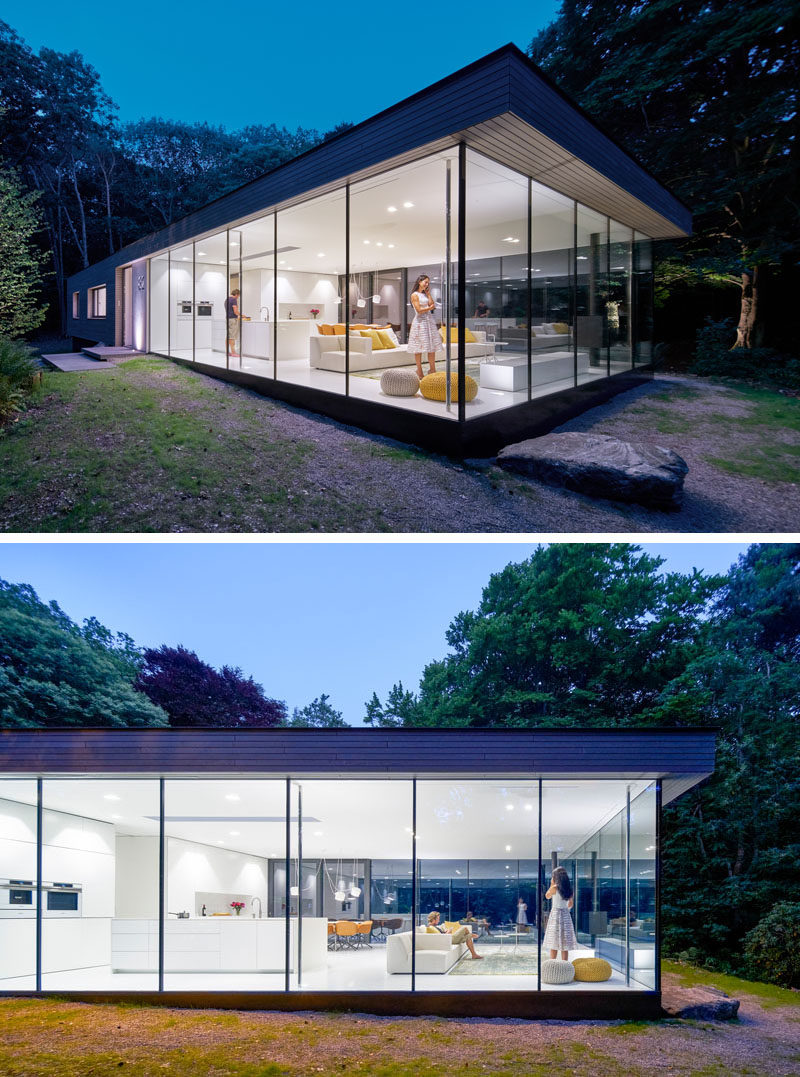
295 890
355 889
339 893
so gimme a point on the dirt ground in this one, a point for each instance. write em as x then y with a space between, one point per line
46 1038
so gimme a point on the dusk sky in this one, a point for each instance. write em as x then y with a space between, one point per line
309 65
302 618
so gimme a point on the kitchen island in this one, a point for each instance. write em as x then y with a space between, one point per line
217 944
293 334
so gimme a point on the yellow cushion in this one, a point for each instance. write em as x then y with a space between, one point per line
434 386
325 329
560 327
591 969
338 329
449 925
431 930
358 325
469 336
374 336
386 340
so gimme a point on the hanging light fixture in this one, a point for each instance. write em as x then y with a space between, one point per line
355 889
339 893
295 890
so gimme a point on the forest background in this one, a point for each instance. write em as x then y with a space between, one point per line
702 92
578 634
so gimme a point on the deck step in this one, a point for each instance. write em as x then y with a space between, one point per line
67 362
106 351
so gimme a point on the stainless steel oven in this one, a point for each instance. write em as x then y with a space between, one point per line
204 308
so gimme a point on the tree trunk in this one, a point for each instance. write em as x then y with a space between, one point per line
749 332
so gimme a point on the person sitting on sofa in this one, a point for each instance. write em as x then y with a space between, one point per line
463 934
481 921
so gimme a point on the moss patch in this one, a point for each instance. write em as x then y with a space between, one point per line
767 994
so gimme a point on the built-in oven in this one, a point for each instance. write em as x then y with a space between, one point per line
61 899
17 898
204 308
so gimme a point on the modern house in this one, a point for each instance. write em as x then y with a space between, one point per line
533 226
296 869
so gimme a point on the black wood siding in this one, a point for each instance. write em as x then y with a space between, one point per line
614 753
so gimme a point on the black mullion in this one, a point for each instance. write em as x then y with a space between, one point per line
657 941
539 900
346 296
462 283
529 298
162 873
413 883
275 296
287 885
299 885
39 852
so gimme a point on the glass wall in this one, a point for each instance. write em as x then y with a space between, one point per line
496 283
555 294
100 884
398 233
353 908
591 294
477 853
18 811
340 873
223 839
552 300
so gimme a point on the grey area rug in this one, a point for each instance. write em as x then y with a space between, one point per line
505 964
473 369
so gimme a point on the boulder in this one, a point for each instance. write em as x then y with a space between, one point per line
699 1003
601 466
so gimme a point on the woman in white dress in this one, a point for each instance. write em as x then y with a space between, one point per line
559 933
424 333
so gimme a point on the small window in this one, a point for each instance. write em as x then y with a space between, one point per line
97 302
76 304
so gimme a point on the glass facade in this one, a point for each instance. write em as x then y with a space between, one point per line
316 885
554 295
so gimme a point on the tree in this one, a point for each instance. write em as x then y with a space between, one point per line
401 709
318 714
53 673
21 262
580 633
704 93
193 693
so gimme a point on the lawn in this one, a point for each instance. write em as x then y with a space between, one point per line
150 446
57 1038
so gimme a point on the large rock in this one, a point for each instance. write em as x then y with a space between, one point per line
601 466
699 1003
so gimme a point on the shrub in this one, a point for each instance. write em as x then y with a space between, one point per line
772 948
20 376
713 357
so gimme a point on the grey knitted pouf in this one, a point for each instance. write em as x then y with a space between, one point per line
557 972
399 382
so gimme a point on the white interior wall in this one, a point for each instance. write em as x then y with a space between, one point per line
136 866
193 868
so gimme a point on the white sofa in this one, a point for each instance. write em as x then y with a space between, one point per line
512 374
544 336
434 953
328 353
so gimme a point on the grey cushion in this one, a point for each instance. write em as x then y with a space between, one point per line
557 972
399 382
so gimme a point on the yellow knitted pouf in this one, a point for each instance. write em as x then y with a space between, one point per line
434 386
591 969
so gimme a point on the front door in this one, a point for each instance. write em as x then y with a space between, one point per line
127 308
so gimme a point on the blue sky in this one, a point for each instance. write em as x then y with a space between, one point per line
345 618
309 65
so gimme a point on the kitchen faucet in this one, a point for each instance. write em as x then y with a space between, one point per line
252 903
267 310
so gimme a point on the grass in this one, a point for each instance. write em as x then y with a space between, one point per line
58 1038
761 432
767 994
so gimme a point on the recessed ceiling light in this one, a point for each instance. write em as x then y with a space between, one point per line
321 254
408 205
508 848
510 239
116 816
185 259
583 258
391 246
282 262
509 807
378 244
234 833
392 209
219 841
366 242
111 796
232 796
529 807
318 833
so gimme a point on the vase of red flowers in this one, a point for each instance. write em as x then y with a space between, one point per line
237 906
314 312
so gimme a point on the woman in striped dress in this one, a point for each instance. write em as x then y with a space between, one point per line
424 334
559 933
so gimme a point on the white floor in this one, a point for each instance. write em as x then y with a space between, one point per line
361 970
300 372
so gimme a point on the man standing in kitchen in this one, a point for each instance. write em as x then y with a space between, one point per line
234 317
